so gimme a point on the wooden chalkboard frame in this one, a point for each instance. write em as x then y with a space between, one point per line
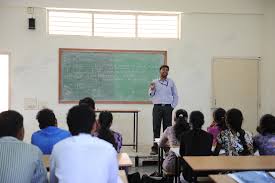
61 50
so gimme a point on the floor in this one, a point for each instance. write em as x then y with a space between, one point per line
148 164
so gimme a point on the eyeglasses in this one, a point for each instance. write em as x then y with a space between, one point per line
165 82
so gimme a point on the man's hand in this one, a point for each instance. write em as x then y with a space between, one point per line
152 86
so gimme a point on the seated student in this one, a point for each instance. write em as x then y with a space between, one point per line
83 157
218 124
171 137
234 140
49 134
105 122
265 140
19 161
196 142
88 101
91 103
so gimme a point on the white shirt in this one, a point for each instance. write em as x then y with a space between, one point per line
83 158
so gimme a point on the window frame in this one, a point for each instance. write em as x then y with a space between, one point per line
117 12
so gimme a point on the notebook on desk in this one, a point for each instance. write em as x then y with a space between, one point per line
272 174
252 177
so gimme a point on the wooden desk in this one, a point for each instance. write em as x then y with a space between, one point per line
160 155
123 176
222 179
135 120
230 163
123 160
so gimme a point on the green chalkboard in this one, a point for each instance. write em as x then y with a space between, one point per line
108 76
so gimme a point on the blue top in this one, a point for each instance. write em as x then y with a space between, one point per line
46 138
165 92
265 143
118 139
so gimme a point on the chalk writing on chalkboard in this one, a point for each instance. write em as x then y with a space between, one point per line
108 76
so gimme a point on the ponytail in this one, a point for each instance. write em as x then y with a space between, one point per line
243 142
219 118
105 121
234 119
107 135
181 123
180 127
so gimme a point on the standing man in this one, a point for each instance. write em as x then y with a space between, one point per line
163 93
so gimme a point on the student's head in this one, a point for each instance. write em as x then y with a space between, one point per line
234 119
219 117
181 122
164 69
196 119
46 118
105 119
11 124
267 124
181 114
88 101
81 119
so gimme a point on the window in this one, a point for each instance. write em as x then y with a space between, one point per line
114 24
70 23
4 82
158 26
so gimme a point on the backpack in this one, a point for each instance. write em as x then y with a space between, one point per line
150 179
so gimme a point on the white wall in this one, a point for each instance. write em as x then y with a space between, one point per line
218 28
268 79
210 6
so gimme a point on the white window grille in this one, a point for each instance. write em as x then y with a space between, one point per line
114 24
70 23
153 26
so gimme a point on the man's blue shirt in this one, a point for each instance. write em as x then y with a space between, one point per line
46 138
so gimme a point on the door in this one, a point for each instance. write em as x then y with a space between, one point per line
235 85
4 82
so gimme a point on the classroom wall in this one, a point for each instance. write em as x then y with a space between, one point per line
210 6
268 79
218 28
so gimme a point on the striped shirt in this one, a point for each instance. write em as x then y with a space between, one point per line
20 162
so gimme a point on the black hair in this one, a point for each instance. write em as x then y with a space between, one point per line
196 119
105 120
164 66
88 101
11 122
267 124
80 119
219 118
234 120
46 118
181 123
